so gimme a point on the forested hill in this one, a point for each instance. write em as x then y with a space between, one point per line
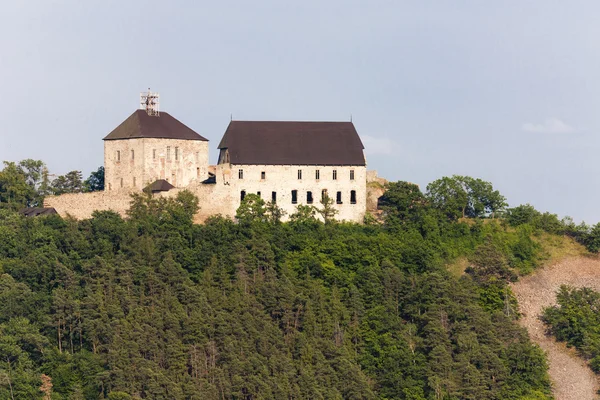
156 307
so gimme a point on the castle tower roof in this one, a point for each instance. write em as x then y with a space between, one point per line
141 125
293 143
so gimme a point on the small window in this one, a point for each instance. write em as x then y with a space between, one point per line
338 197
353 197
109 186
242 195
132 155
263 175
274 197
299 174
351 174
258 194
118 155
134 181
173 179
176 153
168 152
324 194
121 182
334 174
154 154
240 174
198 172
309 198
294 196
317 174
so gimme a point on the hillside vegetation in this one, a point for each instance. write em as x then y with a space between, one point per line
153 306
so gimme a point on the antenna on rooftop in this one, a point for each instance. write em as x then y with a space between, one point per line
149 102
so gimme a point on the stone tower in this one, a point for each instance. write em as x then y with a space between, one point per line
151 146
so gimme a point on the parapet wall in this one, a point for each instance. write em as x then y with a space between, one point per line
82 205
221 198
212 201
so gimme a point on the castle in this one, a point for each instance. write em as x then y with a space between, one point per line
288 163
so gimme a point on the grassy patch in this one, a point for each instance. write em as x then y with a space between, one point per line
458 266
556 248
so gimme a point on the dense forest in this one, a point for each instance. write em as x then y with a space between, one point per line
576 321
153 306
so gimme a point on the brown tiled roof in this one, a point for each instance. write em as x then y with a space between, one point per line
36 211
293 143
141 125
160 185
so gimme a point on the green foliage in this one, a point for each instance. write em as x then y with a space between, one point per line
327 211
251 209
576 320
463 196
154 306
15 192
68 183
95 182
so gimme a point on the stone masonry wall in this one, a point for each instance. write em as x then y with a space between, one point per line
283 179
181 162
224 196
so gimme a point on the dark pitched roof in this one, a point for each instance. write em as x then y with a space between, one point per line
141 125
36 211
293 143
160 185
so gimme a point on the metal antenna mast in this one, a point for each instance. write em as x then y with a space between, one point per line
150 102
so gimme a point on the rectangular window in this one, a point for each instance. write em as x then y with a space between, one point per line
176 153
109 186
121 182
263 175
134 181
154 154
173 179
258 194
353 197
274 197
334 174
132 155
299 174
240 174
242 195
309 198
351 174
324 194
294 196
168 153
317 174
118 155
338 197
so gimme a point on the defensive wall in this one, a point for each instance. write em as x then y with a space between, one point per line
224 196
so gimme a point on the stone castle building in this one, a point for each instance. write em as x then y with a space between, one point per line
288 163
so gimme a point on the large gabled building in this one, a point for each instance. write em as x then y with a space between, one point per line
292 163
289 163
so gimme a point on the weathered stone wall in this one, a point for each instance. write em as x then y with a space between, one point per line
181 162
82 205
283 179
224 196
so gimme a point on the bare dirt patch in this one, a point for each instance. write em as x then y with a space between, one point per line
571 377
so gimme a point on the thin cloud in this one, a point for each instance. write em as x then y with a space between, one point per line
552 125
375 145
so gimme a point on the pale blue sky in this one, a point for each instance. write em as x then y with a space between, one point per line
507 91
